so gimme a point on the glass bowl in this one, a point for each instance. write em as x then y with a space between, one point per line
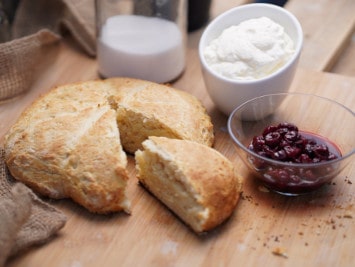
320 119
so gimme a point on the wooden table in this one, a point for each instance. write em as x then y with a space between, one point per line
266 229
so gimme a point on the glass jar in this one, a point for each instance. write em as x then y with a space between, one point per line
142 39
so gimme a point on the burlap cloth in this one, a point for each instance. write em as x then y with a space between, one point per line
36 24
25 220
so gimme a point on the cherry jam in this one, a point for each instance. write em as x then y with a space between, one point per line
286 143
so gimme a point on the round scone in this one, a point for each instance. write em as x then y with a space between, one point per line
67 145
195 181
149 109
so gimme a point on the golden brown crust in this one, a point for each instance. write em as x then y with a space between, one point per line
67 143
206 186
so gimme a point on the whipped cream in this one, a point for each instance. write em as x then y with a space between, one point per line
251 50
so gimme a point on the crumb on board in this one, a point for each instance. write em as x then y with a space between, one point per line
262 188
348 215
278 251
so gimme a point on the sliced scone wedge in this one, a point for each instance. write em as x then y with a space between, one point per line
195 181
149 109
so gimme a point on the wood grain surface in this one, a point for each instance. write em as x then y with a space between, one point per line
328 27
266 229
312 230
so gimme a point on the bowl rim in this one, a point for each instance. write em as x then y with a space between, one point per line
281 163
295 56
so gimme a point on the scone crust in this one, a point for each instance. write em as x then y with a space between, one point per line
209 174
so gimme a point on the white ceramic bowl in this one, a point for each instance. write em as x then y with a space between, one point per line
229 93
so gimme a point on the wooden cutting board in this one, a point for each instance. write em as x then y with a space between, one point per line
266 229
